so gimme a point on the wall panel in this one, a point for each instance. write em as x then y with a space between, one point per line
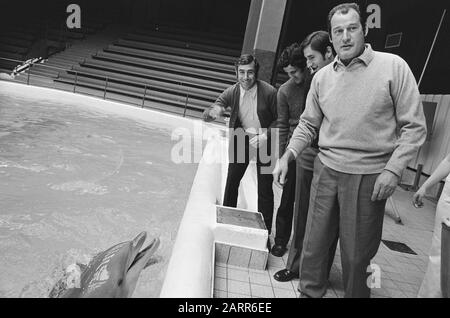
432 152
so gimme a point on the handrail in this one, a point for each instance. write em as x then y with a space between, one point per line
75 82
29 72
180 83
106 85
43 65
12 60
143 97
107 79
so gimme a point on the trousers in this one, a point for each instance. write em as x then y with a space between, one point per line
302 194
340 204
239 161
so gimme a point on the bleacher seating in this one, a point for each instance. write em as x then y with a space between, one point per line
28 38
178 68
180 71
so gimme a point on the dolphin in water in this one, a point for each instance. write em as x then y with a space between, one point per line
112 273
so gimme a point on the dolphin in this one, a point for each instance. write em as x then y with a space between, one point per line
112 273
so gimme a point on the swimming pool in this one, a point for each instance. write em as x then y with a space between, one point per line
76 177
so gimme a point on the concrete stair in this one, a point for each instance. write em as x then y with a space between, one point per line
77 52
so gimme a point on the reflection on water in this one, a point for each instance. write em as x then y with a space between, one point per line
74 182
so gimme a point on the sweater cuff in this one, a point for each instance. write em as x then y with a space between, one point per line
394 170
295 153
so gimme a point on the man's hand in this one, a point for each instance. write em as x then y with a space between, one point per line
385 185
280 171
258 140
212 113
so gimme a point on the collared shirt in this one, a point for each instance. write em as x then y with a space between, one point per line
266 104
368 114
366 57
248 114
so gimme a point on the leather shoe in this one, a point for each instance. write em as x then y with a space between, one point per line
285 275
278 250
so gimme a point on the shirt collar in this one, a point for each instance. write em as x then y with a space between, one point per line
252 91
366 57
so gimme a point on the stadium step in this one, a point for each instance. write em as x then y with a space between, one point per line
208 56
168 66
175 70
151 85
168 57
187 80
183 44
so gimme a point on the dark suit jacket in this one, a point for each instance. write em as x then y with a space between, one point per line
266 104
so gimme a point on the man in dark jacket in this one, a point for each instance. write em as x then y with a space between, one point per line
253 107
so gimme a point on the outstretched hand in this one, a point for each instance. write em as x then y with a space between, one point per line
212 113
207 116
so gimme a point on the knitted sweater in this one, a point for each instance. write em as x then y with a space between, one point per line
291 104
368 115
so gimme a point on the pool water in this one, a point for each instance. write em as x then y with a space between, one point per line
75 180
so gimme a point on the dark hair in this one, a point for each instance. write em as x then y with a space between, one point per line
292 55
319 41
344 8
247 59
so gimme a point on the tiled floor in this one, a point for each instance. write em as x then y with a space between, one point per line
401 274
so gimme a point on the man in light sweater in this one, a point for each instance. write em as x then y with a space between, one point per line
365 106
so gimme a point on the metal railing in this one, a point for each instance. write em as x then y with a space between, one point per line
107 79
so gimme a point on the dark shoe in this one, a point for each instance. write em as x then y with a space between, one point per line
278 250
285 275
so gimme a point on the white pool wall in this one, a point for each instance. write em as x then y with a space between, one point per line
190 273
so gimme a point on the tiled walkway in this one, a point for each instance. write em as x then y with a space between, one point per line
401 273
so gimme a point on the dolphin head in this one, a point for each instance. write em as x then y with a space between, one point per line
114 272
137 262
